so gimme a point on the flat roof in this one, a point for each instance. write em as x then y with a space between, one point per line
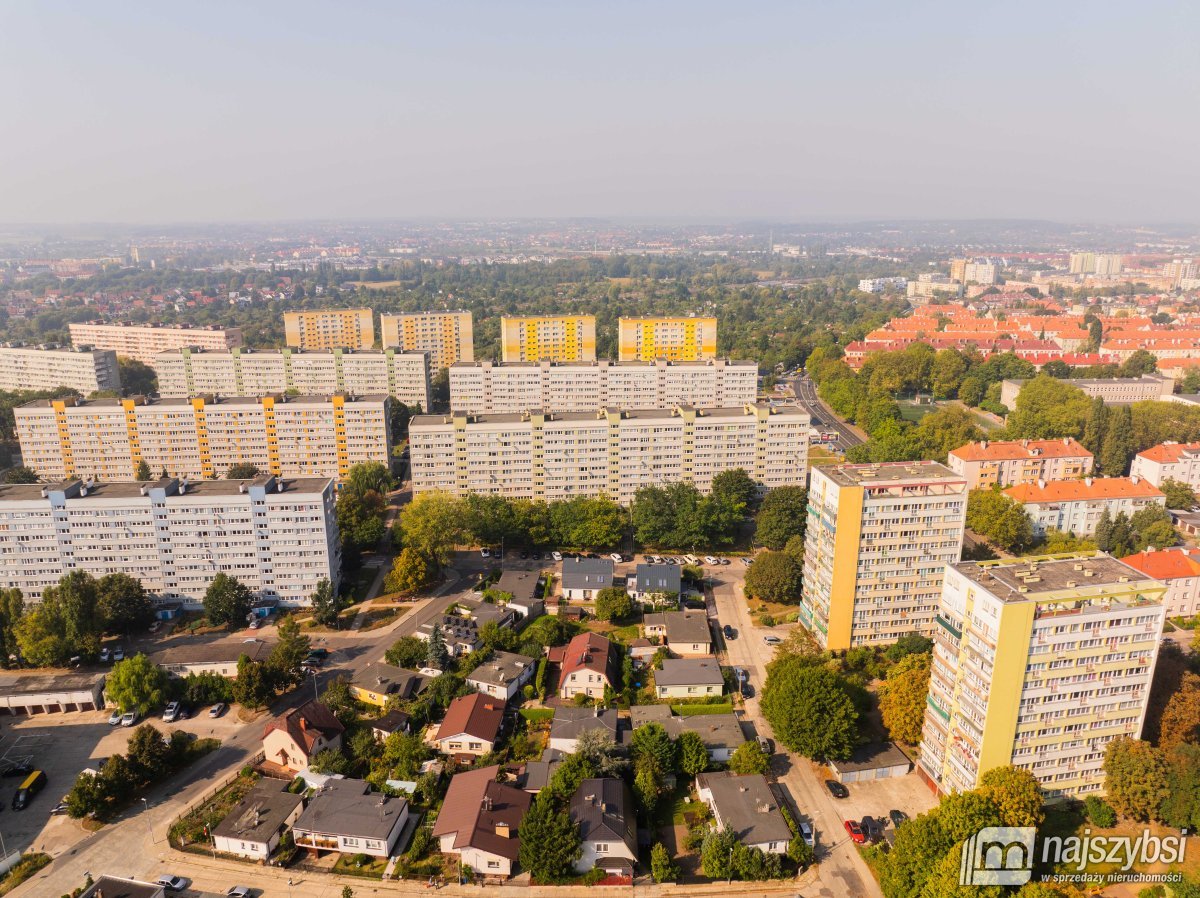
223 651
132 489
501 669
747 805
627 414
873 756
118 887
897 472
24 683
1023 579
348 807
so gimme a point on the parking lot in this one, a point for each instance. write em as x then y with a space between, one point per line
876 797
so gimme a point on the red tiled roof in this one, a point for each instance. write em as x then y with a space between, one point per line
306 724
1077 490
588 651
474 807
1166 564
1168 453
1003 450
476 715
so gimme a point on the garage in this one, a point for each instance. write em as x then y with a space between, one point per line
873 761
24 693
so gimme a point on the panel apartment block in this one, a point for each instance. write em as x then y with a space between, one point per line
33 368
548 338
448 337
244 372
557 455
144 341
1039 663
203 437
330 329
488 388
878 539
677 339
277 536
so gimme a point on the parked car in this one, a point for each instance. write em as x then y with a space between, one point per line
766 745
105 655
724 560
240 892
747 689
709 559
118 654
536 556
318 654
747 561
691 559
218 709
897 817
872 829
616 557
154 627
728 631
256 623
836 789
771 639
60 808
173 883
855 832
18 768
114 718
486 553
129 719
30 786
807 834
557 556
171 714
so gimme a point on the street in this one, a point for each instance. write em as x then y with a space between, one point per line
806 394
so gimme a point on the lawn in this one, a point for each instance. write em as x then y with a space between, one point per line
360 865
912 412
28 865
691 709
776 611
537 715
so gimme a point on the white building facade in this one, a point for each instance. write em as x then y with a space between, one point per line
144 341
85 370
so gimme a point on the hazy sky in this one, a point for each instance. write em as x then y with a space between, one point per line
792 111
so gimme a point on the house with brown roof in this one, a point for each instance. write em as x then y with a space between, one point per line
292 739
604 811
480 822
471 726
588 666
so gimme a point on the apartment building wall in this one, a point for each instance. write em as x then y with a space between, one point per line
1077 506
31 368
403 375
1039 664
278 537
1006 463
611 452
1114 391
551 338
330 329
203 437
878 538
144 341
488 388
448 337
677 339
1169 461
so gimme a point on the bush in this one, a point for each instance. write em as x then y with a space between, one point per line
1099 813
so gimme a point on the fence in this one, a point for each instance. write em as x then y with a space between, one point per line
199 802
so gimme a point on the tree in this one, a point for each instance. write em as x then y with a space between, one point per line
408 652
368 477
20 474
227 601
242 470
651 740
902 698
550 842
337 698
648 783
143 471
149 754
289 653
432 523
735 487
124 603
717 852
1182 806
137 378
810 709
1179 495
693 756
909 644
327 605
662 868
411 571
782 515
1049 409
360 519
12 608
1117 447
136 684
1099 812
613 603
775 577
437 655
330 761
1140 363
252 688
1135 778
588 522
1094 429
1016 794
1180 722
750 758
999 519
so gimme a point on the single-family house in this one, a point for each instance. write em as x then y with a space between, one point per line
503 675
603 810
379 681
683 632
648 582
689 678
255 824
344 815
391 722
588 666
720 733
291 740
480 821
521 585
746 805
534 776
471 726
571 723
582 578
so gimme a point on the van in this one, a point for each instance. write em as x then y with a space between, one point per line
30 786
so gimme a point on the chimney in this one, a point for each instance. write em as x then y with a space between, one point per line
1041 483
1087 481
1134 479
303 723
487 803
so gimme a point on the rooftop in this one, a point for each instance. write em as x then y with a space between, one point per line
1169 453
118 887
482 813
587 573
689 672
501 669
1166 564
475 715
890 473
306 724
716 730
681 626
174 488
381 677
260 813
13 683
1088 488
348 807
570 722
1001 450
223 651
521 585
603 809
873 756
1025 579
747 805
628 414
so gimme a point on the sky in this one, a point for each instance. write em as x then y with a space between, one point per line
798 111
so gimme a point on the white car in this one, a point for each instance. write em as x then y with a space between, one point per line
129 719
173 883
709 559
114 718
772 640
239 892
653 559
557 556
486 553
616 557
691 559
807 834
171 714
747 561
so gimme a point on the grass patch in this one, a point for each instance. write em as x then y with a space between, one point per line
537 715
770 614
189 829
28 865
691 709
360 865
381 617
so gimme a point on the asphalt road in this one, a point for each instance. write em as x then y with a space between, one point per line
806 393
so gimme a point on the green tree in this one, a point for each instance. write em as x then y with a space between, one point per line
289 653
810 709
693 756
124 604
491 520
137 378
1096 426
360 519
550 842
1180 723
20 474
12 608
432 524
242 470
999 519
330 761
1140 363
1049 409
662 868
1181 808
1099 812
902 698
613 603
1117 447
411 572
337 698
717 852
1179 495
588 522
408 652
1135 778
149 754
253 687
651 740
327 605
437 655
782 515
648 784
750 758
136 684
736 487
775 577
368 477
227 601
143 471
1016 794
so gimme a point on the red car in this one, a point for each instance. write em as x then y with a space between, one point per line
856 832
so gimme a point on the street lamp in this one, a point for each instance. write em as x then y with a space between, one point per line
149 828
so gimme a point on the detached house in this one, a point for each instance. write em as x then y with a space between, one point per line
588 666
255 825
747 806
292 739
471 726
344 815
650 581
689 678
480 821
379 681
603 810
582 578
683 632
503 675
